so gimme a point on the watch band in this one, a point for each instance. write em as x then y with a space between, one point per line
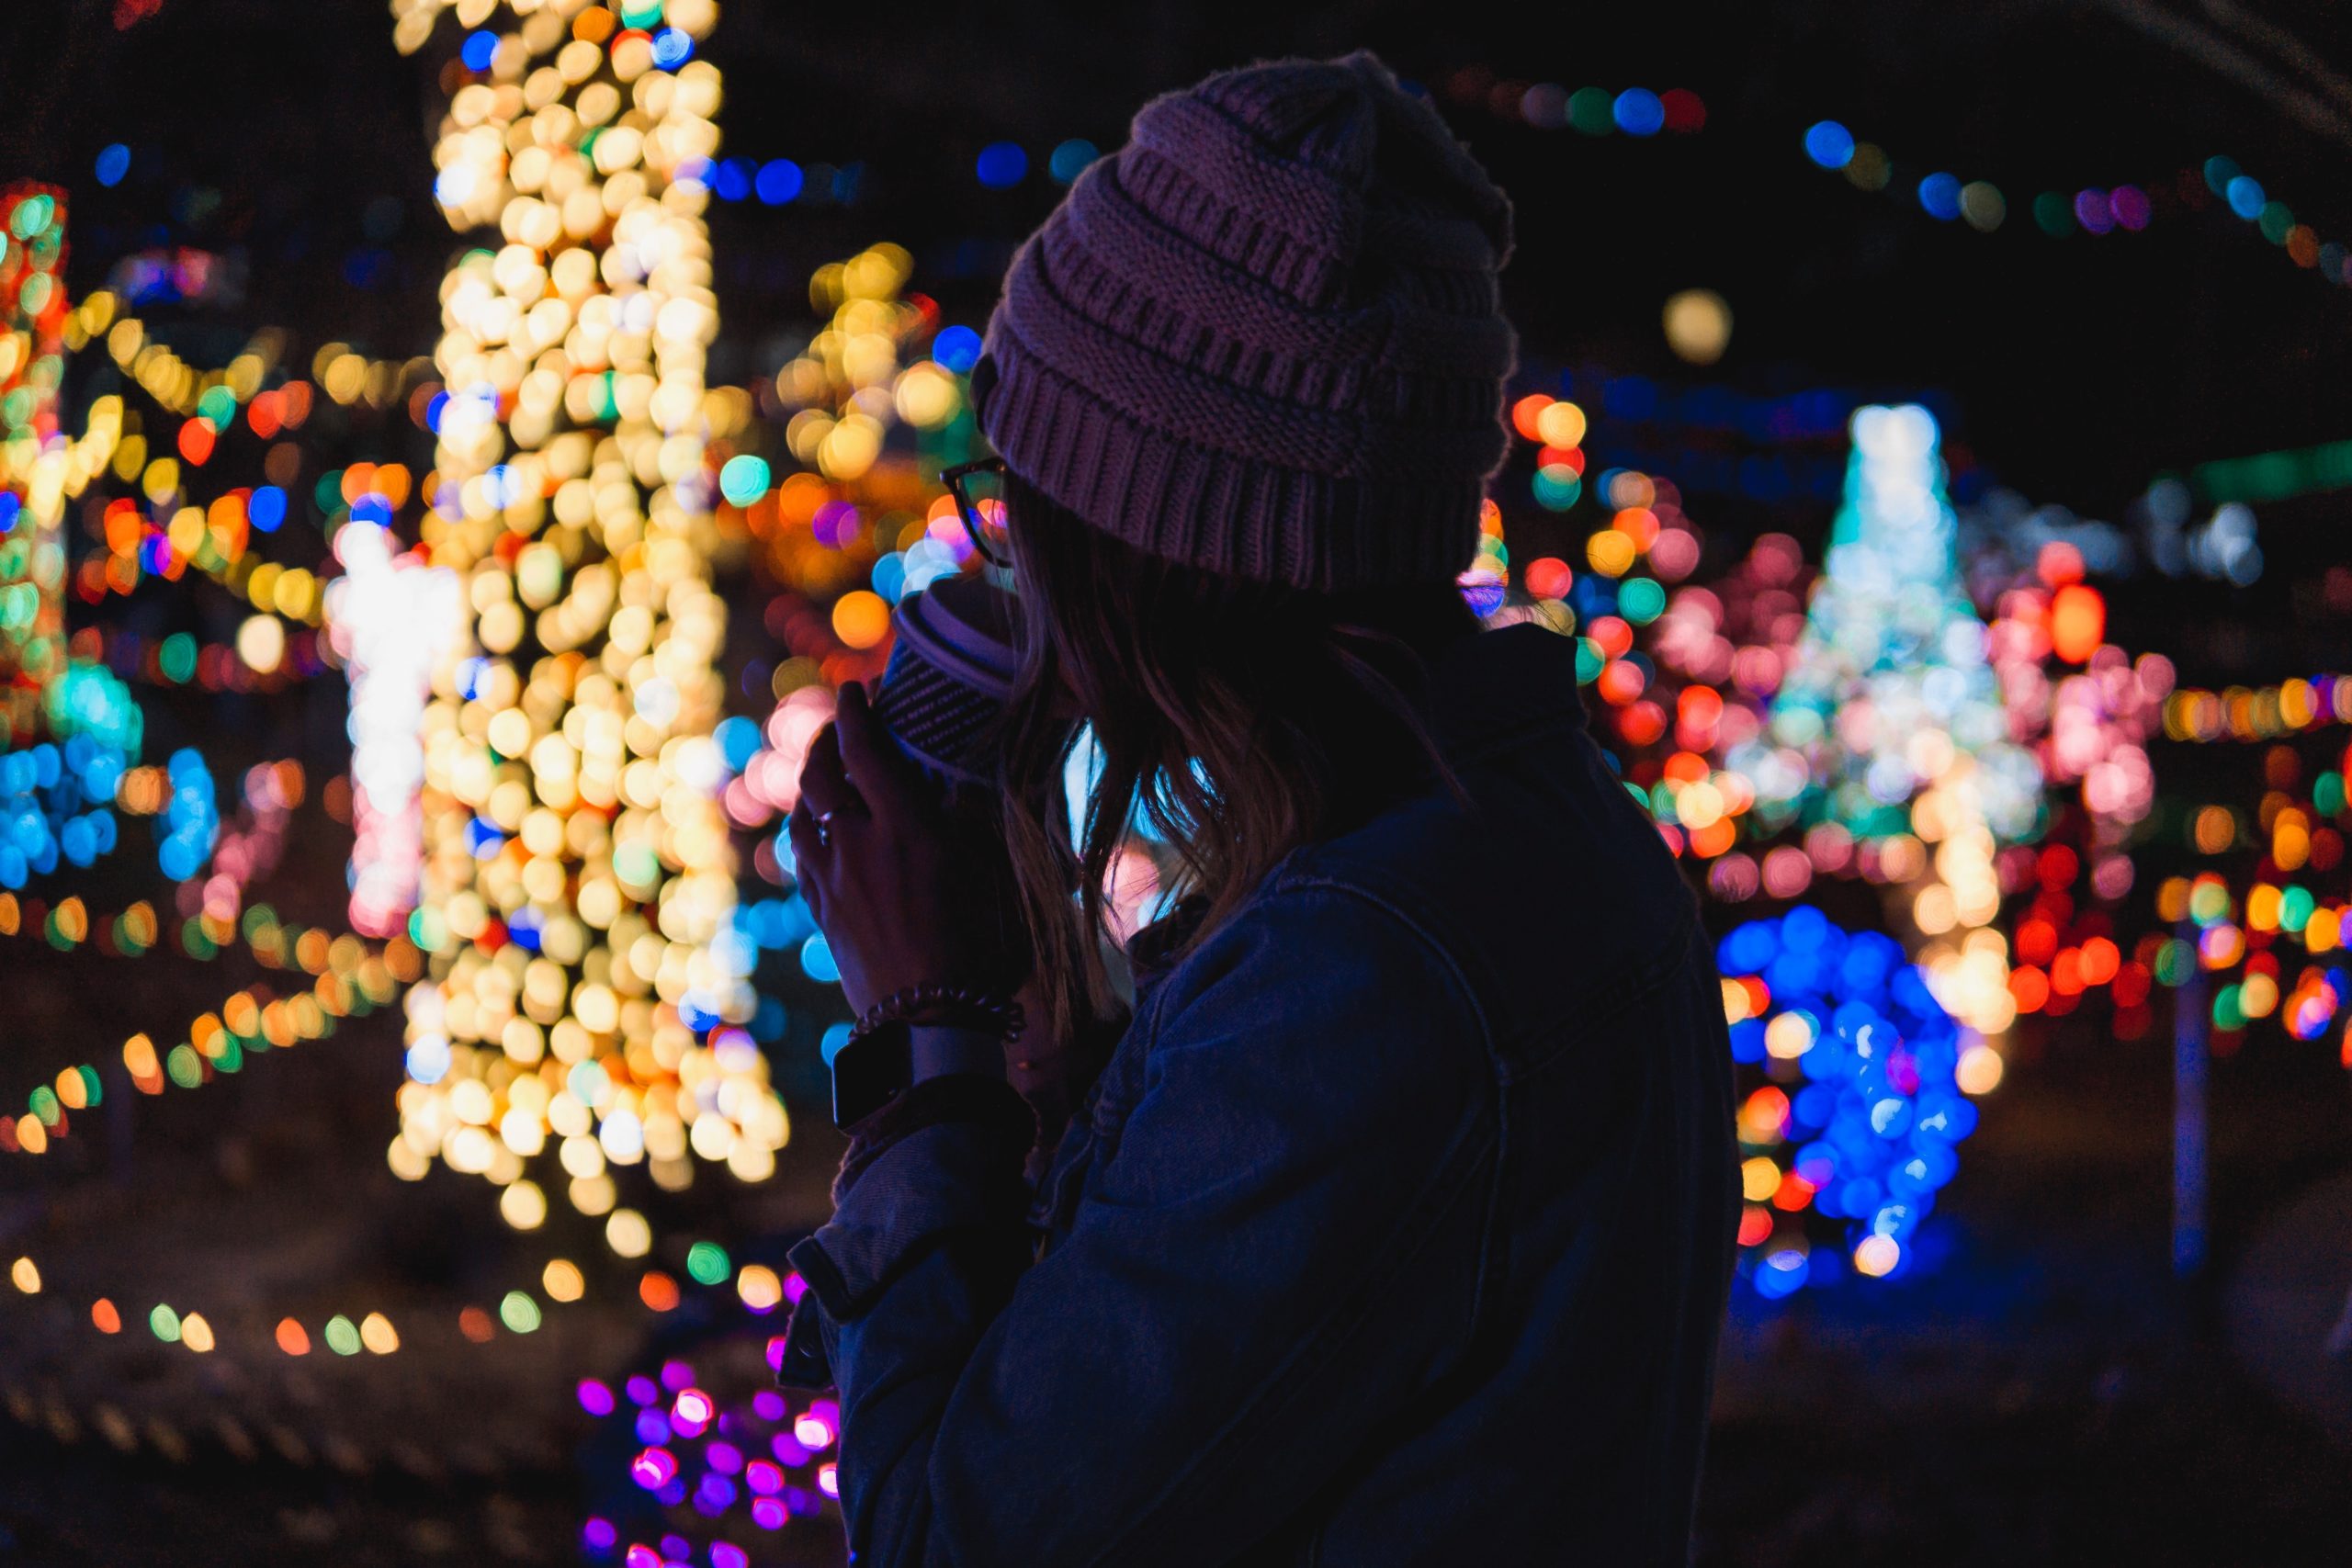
934 1050
871 1070
868 1071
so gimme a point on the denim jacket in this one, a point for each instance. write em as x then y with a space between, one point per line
1397 1230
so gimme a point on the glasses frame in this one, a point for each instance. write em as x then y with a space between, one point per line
969 514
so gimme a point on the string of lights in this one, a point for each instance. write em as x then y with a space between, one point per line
2276 476
348 980
204 936
169 381
2259 712
1637 112
755 1286
2093 210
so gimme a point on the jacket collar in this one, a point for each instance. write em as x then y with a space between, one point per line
1493 686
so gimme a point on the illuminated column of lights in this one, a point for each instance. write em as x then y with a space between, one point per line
578 882
393 619
71 728
32 497
1891 699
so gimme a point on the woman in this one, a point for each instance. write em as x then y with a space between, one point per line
1398 1226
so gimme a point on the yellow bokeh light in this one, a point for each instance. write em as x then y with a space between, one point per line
1698 325
1876 1256
2324 930
2258 996
524 1205
1561 425
628 1234
1788 1036
1979 1069
261 643
562 1281
926 395
1610 553
758 1286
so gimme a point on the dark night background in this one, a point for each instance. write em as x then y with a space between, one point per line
2051 1393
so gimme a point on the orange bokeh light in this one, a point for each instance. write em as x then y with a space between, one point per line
2077 622
1526 412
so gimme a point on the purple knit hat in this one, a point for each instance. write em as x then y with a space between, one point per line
1265 338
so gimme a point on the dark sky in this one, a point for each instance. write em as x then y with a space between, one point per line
2077 367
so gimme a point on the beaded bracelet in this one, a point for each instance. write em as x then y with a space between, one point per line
997 1014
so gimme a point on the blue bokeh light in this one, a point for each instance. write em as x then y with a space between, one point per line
739 741
778 181
1829 145
956 347
266 508
1002 165
733 179
1069 157
1939 195
1639 112
817 961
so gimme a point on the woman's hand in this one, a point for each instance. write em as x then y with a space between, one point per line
905 894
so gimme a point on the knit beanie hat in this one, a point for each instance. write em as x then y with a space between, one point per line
1265 338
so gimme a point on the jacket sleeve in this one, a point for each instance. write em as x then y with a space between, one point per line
1281 1252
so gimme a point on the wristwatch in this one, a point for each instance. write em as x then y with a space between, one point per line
873 1069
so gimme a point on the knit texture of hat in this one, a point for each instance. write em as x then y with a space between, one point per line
1265 338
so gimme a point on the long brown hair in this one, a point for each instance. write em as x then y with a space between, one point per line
1237 719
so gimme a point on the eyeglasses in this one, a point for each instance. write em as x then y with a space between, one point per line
978 490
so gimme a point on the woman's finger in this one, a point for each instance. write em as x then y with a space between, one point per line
811 852
806 832
825 786
880 771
